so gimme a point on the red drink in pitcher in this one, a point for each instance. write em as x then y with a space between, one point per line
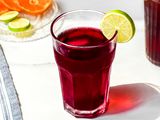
152 16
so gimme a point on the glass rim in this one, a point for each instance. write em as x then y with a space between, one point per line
74 46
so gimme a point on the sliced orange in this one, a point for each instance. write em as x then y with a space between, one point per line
34 7
3 8
12 4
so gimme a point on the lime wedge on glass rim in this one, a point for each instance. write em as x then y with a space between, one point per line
117 20
8 16
19 25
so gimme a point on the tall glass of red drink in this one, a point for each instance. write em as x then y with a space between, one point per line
84 58
152 24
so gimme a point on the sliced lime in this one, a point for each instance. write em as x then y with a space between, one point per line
117 20
8 16
19 24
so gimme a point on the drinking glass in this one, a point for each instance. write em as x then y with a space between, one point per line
84 58
152 30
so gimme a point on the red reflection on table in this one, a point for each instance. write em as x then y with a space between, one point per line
126 97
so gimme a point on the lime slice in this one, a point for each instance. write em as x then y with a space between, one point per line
8 16
19 24
117 20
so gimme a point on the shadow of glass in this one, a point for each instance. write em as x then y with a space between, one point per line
133 102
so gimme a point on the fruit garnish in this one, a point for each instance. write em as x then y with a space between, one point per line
12 4
19 24
117 20
3 8
34 7
8 16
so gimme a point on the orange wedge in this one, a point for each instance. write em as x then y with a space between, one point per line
12 4
3 8
34 7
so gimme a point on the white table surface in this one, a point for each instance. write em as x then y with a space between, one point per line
39 90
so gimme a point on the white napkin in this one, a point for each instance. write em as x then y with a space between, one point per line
9 102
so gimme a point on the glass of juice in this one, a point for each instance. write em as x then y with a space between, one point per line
152 24
84 58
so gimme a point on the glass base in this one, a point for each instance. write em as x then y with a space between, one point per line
157 63
86 114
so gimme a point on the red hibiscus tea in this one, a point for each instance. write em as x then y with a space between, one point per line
152 15
84 58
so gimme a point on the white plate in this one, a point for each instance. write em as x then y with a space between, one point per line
40 23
